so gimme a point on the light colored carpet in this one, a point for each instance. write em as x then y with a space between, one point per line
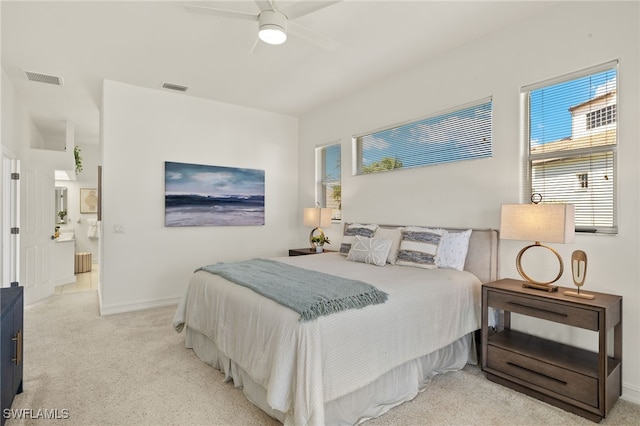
133 369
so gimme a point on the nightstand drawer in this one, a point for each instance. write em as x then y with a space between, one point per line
559 380
545 309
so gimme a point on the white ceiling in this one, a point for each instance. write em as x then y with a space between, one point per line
150 42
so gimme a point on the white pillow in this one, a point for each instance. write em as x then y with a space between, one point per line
351 231
453 250
369 250
419 247
395 235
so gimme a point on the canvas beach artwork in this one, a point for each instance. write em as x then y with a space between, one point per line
202 195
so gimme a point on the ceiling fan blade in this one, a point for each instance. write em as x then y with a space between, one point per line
265 5
191 8
312 37
258 46
302 8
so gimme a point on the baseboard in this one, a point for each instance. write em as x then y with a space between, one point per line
138 306
64 280
631 393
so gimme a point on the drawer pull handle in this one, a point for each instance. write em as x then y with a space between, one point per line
18 339
536 373
538 309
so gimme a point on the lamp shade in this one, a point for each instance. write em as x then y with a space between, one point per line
317 217
551 223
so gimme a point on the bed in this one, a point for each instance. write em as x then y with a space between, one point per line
349 366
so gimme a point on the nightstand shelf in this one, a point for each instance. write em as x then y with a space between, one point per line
584 382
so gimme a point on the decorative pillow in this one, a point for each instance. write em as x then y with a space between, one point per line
419 247
351 231
453 250
395 235
370 250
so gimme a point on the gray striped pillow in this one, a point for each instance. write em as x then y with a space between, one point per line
350 233
419 247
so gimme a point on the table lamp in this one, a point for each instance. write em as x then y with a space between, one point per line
318 218
550 223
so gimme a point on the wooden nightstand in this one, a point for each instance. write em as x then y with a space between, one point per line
580 381
307 250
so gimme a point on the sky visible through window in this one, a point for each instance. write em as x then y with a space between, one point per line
550 105
452 136
332 163
550 120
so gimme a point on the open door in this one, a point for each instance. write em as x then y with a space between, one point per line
37 189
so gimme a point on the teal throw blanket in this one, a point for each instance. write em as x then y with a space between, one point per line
310 293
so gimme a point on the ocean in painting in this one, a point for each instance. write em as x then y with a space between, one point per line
199 210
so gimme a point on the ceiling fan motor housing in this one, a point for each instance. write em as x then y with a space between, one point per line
272 26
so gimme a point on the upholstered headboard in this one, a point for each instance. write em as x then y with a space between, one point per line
482 256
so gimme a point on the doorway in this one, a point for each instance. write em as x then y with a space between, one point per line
85 281
9 219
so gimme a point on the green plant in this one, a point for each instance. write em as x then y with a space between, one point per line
62 214
320 239
76 155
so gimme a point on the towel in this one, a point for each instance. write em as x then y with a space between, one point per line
92 232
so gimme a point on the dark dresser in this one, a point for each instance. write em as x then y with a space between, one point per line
11 338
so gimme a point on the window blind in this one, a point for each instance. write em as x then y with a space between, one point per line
571 144
330 182
462 133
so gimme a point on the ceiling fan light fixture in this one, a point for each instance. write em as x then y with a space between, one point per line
272 27
272 34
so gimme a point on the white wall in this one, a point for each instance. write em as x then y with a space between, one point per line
18 129
20 134
573 37
149 264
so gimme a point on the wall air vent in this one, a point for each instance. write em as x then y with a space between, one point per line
172 86
44 78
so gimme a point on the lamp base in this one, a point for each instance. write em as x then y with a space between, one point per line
545 287
539 285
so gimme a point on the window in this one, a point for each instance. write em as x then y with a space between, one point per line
601 117
583 179
572 133
330 188
463 133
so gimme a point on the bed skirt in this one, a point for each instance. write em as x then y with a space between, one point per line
399 385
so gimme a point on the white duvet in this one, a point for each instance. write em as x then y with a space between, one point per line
304 364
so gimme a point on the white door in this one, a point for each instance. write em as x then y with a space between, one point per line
37 192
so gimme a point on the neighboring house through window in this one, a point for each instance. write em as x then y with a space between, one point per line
572 133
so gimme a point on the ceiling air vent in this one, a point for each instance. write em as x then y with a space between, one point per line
44 78
172 86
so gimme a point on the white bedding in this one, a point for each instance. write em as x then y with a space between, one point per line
302 365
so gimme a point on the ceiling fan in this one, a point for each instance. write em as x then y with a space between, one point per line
274 24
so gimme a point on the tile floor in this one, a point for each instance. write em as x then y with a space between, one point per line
84 282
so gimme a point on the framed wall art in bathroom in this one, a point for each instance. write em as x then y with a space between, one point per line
88 200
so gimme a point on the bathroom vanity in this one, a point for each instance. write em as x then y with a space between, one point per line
62 261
